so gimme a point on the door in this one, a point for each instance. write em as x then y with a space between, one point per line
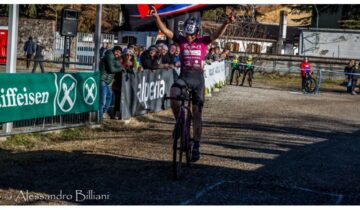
3 47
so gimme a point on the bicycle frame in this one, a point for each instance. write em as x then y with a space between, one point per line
182 125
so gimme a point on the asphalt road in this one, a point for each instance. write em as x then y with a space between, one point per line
261 145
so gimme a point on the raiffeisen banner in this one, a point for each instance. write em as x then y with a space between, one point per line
26 96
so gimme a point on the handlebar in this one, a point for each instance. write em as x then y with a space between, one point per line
181 98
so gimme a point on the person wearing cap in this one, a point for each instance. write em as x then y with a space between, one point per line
248 70
129 61
149 59
193 48
109 65
39 57
29 49
164 59
305 68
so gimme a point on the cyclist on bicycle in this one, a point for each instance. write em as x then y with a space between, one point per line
193 50
305 68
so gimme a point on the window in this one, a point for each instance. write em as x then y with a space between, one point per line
253 48
129 39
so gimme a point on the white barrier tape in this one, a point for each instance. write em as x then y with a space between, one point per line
294 69
337 72
297 70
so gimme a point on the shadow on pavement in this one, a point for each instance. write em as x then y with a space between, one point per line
320 172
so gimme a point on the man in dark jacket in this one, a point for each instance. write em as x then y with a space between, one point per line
109 65
29 49
149 58
39 57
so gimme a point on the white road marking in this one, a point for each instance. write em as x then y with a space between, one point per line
204 191
297 93
339 196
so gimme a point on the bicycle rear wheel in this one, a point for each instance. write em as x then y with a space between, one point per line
178 152
310 85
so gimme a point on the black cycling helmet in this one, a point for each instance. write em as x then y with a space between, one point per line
192 25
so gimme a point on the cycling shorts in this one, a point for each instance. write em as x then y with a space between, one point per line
195 81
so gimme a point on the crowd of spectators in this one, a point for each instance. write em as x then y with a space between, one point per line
160 56
137 58
215 54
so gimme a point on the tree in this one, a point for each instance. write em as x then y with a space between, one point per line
350 14
4 10
28 10
302 8
87 16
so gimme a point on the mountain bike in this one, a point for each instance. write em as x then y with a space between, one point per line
182 142
310 83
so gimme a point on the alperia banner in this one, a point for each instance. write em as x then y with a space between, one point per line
26 96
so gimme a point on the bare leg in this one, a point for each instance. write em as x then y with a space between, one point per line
232 75
243 79
197 119
250 78
175 105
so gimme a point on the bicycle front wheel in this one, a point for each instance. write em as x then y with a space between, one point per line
178 153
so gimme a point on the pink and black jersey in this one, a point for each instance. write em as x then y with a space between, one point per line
193 54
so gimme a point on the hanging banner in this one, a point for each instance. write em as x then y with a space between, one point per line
138 18
27 96
142 92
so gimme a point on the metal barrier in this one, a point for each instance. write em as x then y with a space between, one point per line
50 123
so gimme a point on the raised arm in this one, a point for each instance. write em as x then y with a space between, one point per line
168 33
222 29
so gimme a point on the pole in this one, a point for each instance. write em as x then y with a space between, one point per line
317 27
12 49
97 38
62 70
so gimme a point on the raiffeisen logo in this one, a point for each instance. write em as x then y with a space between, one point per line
14 97
150 91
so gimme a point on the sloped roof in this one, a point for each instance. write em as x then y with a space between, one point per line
254 31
